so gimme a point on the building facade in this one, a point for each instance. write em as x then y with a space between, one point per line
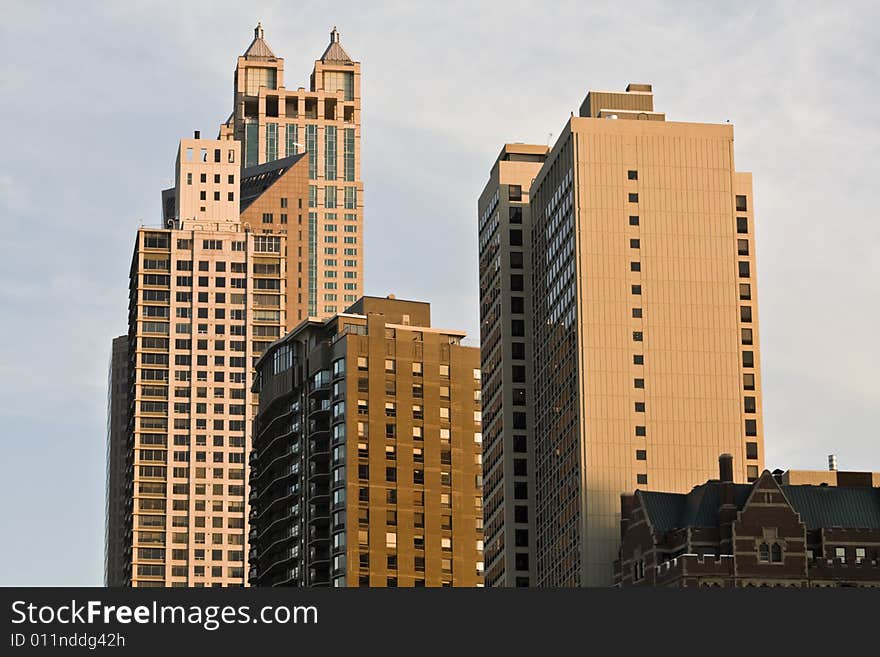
366 464
117 453
208 294
272 122
505 291
644 342
764 533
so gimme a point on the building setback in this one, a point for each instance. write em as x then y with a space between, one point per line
765 533
641 322
505 291
366 464
324 122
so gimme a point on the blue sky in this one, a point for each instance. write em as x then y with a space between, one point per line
96 97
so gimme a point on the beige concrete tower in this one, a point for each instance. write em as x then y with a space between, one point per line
272 122
505 293
644 302
209 292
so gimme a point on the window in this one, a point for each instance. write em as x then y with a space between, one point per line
638 336
751 450
751 427
748 381
641 430
764 553
744 271
640 407
633 220
515 237
745 314
840 554
749 404
636 289
638 383
632 175
742 247
634 244
635 266
745 292
752 472
633 197
748 359
741 204
637 313
515 215
514 192
860 554
642 479
638 359
747 336
742 225
641 455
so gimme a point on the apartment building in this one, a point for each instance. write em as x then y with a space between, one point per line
505 290
117 449
209 293
643 329
366 464
323 121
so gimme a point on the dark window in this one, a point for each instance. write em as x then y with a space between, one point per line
515 215
636 289
515 237
521 538
752 472
519 443
516 259
639 383
745 291
522 582
520 467
632 175
742 247
635 266
638 359
519 420
518 350
750 405
748 359
640 407
521 490
514 192
642 479
518 327
633 220
764 553
641 431
742 225
748 381
744 270
520 513
204 178
517 305
751 450
216 196
641 455
633 197
522 560
751 427
637 313
363 472
745 313
747 336
516 282
637 336
776 553
519 373
519 397
741 204
634 244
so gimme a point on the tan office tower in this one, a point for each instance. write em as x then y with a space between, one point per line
324 121
117 453
505 291
367 451
208 294
646 352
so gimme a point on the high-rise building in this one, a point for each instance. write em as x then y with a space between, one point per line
644 341
208 293
505 291
273 122
117 454
366 464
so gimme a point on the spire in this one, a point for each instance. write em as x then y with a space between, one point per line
259 49
335 53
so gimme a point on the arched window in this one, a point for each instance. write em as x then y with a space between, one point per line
776 553
763 553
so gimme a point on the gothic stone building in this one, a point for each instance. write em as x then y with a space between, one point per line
764 533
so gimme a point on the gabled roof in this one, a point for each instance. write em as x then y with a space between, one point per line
818 506
833 506
259 49
335 53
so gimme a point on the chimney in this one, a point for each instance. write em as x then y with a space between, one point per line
197 134
832 462
725 468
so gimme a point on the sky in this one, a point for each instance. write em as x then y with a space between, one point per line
96 95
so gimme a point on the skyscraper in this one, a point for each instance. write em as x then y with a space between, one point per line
117 452
324 121
367 450
644 342
505 289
